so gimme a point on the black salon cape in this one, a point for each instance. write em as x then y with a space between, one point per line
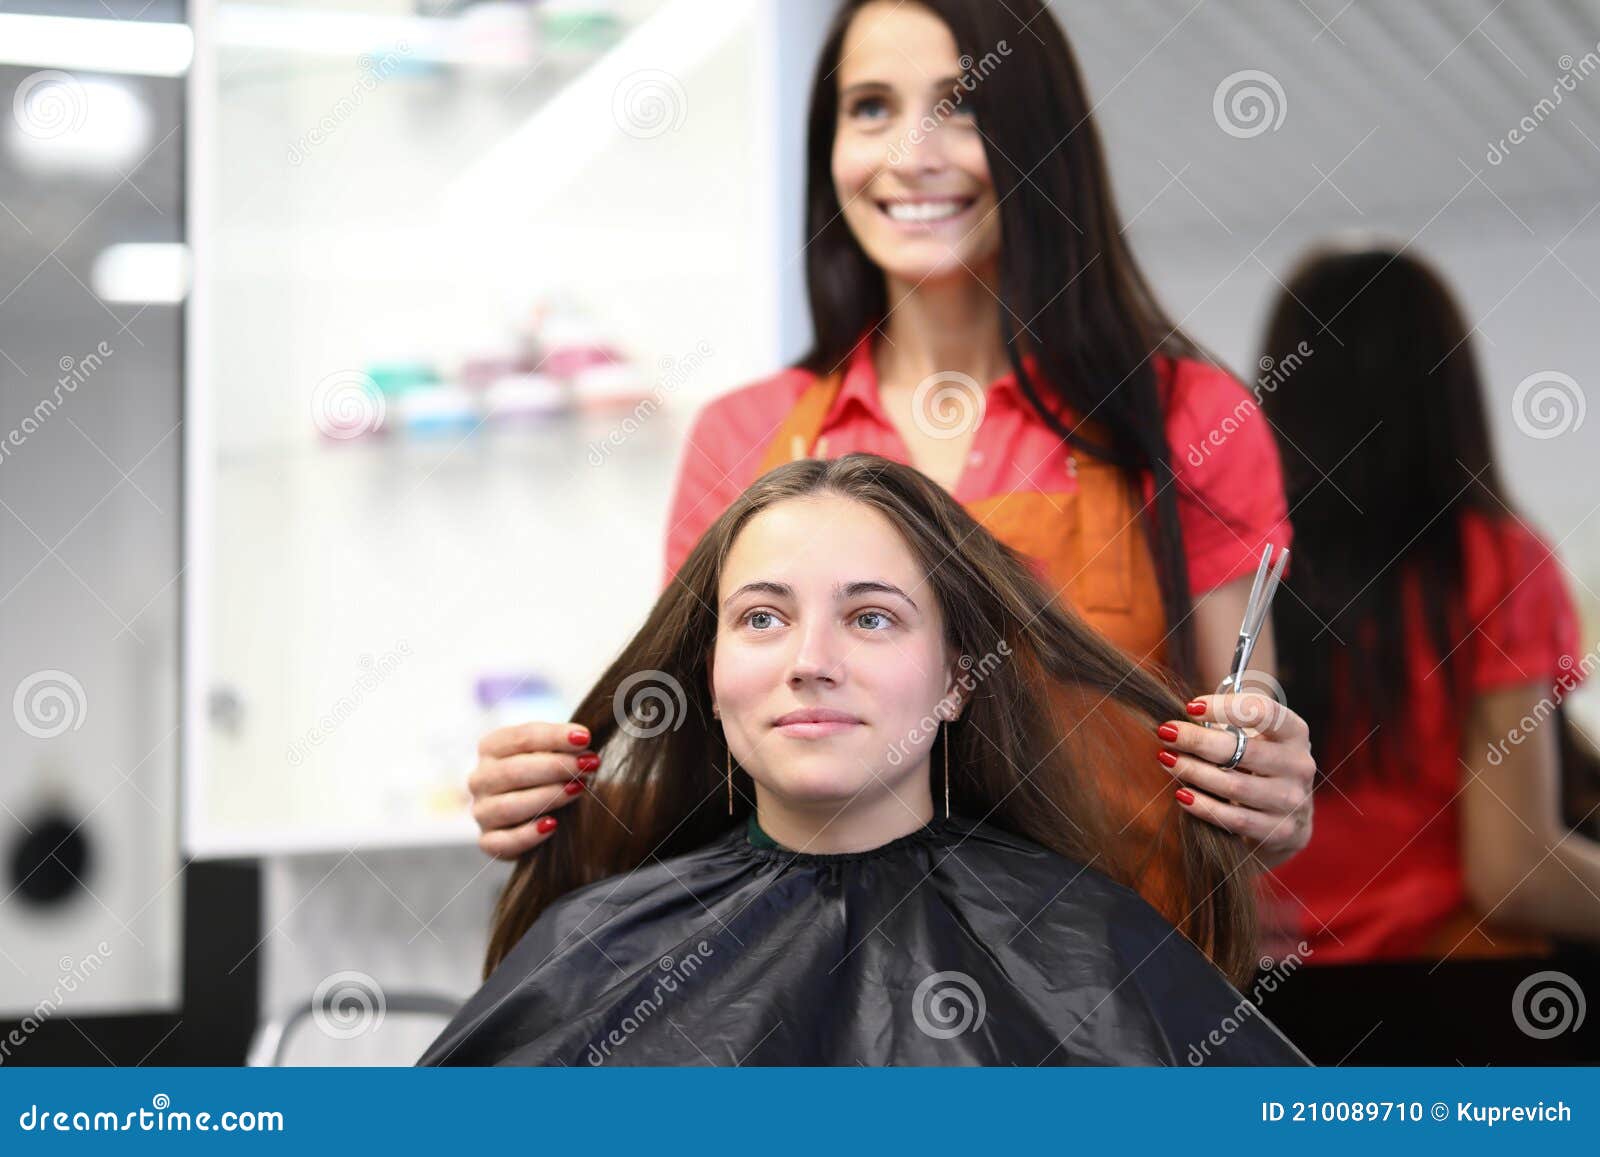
958 944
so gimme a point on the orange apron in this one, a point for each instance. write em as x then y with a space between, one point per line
1089 546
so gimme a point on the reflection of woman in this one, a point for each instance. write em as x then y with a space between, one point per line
819 683
979 316
1434 623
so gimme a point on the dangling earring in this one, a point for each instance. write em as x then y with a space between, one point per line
947 769
728 751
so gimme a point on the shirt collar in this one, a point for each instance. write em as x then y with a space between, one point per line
860 386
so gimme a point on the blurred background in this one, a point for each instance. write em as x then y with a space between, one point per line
346 352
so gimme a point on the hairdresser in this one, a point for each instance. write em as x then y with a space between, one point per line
979 316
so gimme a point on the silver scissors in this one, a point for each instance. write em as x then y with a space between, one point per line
1255 615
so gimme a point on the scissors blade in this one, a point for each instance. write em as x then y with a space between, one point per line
1246 643
1255 614
1255 587
1270 588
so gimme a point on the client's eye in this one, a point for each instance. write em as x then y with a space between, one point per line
750 616
888 620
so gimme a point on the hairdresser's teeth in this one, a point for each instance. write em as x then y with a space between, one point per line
924 210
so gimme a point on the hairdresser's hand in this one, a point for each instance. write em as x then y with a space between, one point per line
1266 800
525 772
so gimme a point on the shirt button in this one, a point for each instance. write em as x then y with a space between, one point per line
976 458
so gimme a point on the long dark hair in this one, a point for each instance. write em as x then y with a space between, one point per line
661 790
1380 389
1063 260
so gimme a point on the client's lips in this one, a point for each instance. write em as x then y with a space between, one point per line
815 721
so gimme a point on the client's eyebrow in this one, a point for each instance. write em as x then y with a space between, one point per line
841 591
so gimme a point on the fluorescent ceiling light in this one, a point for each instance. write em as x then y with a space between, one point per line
130 47
144 272
64 123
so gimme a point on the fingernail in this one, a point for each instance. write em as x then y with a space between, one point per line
578 737
1167 758
547 824
1195 707
1168 731
573 786
1185 796
588 761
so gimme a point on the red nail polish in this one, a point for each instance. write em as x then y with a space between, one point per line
1167 758
1185 796
547 824
578 737
573 786
588 761
1195 707
1168 731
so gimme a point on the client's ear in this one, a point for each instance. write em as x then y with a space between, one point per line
954 703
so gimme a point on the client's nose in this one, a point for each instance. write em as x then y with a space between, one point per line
819 657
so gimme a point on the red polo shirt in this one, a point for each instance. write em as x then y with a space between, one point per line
1383 871
1229 481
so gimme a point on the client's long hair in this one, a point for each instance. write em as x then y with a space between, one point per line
661 789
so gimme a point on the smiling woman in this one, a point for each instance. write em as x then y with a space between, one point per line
908 163
834 913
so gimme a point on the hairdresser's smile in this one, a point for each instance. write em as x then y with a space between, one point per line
927 213
814 723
